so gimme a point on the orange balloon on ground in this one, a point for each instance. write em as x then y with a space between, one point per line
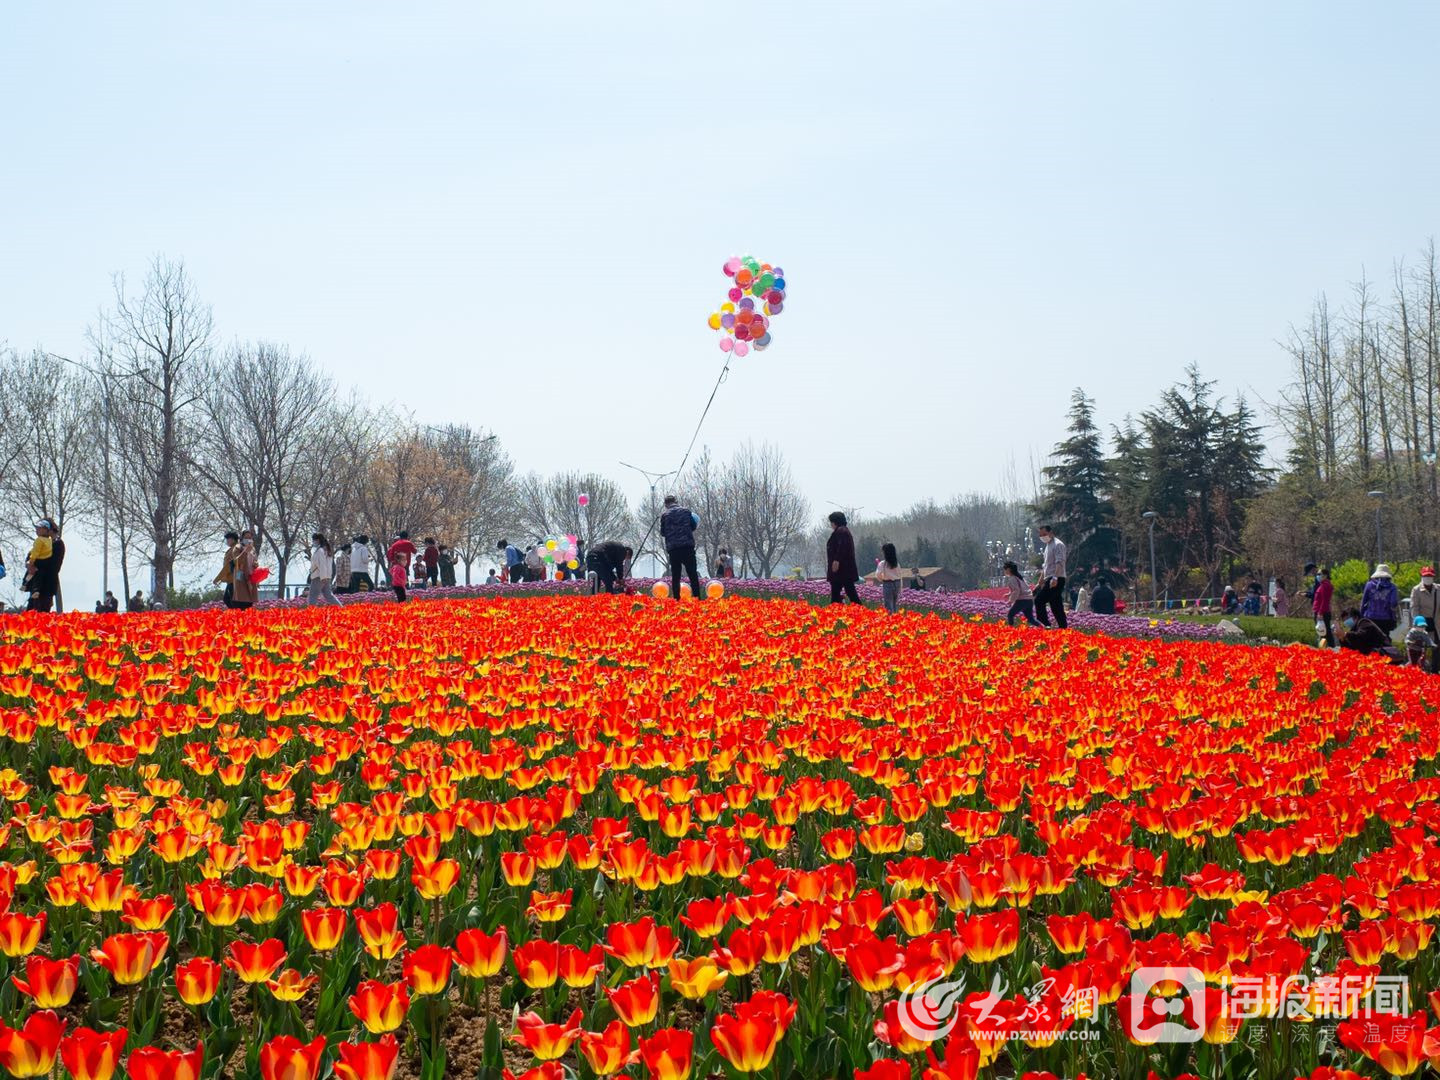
684 591
714 590
660 590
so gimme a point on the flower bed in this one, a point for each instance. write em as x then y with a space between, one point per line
618 836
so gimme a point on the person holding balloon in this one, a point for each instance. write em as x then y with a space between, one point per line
677 527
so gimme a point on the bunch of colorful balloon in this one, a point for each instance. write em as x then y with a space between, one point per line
561 551
757 295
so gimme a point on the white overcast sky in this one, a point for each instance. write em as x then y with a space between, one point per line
515 215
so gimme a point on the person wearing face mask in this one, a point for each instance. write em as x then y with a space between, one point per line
1364 636
1425 601
246 592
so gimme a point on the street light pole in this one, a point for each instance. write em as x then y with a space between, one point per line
1150 516
654 479
1378 496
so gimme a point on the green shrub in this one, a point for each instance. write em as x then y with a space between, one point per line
1349 577
1283 630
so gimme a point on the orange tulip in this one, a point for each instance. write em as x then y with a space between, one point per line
480 955
149 914
379 929
197 980
220 904
518 867
608 1051
287 1058
381 1007
668 1054
290 985
434 880
549 907
641 944
256 963
989 937
323 927
151 1063
427 969
548 1042
92 1055
367 1061
694 979
131 957
49 983
20 934
747 1042
30 1050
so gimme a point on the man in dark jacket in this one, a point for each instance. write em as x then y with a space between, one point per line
431 556
447 566
45 582
1102 600
840 567
608 561
677 528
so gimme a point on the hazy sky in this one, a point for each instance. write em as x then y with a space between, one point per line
515 215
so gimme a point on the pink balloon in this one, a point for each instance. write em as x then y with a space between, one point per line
731 265
726 344
741 348
734 293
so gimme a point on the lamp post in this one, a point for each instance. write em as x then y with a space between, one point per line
1378 496
654 479
1150 516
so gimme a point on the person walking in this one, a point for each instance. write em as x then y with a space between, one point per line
360 579
608 562
399 578
322 570
432 560
342 570
247 561
534 562
1418 642
226 576
1280 600
1022 600
677 528
403 549
1425 601
1051 593
1380 602
891 577
1321 606
447 566
1082 599
514 570
840 565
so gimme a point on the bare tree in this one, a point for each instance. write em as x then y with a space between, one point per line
406 486
161 341
708 493
770 513
551 506
483 504
264 450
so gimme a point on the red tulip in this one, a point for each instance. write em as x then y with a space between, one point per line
323 927
287 1058
93 1055
49 983
197 980
636 1002
547 1041
668 1054
367 1061
131 957
152 1063
537 962
30 1050
20 934
607 1051
381 1007
427 969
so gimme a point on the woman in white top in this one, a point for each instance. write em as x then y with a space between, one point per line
322 569
890 576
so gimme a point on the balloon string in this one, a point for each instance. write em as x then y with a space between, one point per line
724 374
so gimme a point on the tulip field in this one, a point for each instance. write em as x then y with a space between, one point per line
571 837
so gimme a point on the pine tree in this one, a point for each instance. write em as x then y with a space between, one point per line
1075 494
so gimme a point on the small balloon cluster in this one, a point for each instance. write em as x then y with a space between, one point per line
740 321
562 551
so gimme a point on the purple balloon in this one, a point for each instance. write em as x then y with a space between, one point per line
747 304
727 320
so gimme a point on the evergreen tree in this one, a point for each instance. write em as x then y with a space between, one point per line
1075 496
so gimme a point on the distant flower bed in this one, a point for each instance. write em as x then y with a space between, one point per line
962 604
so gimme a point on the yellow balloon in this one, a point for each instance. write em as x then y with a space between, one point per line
551 544
684 591
714 320
728 308
714 590
573 565
660 590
